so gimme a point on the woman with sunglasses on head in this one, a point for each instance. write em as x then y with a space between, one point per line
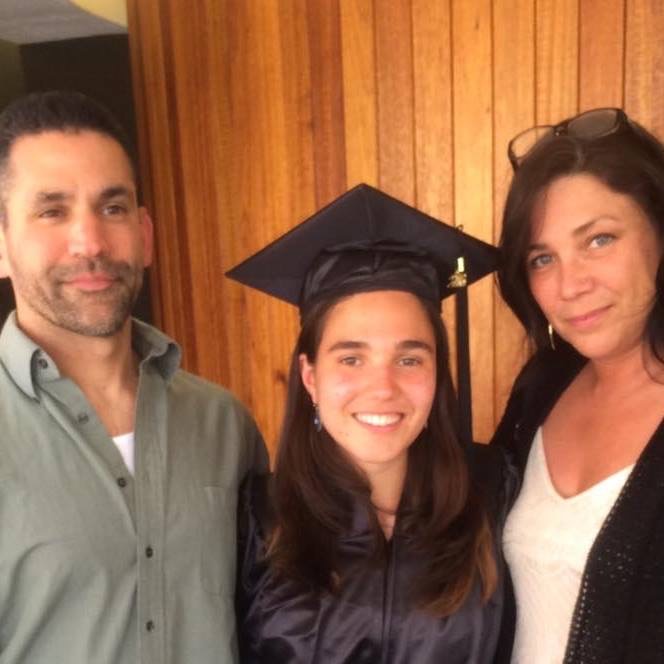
582 238
371 543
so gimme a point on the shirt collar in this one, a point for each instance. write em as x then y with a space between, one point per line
28 364
19 355
155 348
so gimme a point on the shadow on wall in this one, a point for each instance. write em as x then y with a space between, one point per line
96 66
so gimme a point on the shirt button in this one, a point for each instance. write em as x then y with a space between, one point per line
149 552
149 625
122 482
82 418
43 364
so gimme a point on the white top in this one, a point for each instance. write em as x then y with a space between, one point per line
546 542
125 443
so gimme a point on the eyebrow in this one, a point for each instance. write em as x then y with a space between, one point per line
408 344
116 191
581 230
51 196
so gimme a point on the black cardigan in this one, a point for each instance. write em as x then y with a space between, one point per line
619 613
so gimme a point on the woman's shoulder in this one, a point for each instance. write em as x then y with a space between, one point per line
547 369
536 389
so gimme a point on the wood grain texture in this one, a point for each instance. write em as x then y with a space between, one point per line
394 96
644 64
269 175
158 143
195 95
253 113
556 59
432 99
324 31
513 58
358 54
601 53
473 185
434 145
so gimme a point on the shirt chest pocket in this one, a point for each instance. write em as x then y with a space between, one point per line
218 541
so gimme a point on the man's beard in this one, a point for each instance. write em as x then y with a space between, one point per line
99 313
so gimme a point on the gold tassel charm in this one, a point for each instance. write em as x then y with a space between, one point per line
459 279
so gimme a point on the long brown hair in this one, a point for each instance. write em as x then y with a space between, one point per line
316 488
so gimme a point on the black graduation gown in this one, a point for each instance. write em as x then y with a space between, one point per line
372 620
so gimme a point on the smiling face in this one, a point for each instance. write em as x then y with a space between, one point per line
75 243
374 376
592 264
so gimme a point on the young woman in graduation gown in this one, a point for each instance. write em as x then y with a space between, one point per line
582 269
372 542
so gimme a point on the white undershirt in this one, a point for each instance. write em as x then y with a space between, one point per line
546 541
125 444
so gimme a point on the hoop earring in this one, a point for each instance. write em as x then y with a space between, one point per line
318 425
552 341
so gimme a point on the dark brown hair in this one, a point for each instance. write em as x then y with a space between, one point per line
316 487
630 162
55 110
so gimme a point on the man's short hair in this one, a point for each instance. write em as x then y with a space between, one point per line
55 110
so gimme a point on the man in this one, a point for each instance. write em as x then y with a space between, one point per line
118 471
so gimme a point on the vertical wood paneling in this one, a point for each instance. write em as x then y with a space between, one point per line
195 94
359 90
394 76
473 186
159 183
513 111
252 113
267 130
644 57
432 78
601 53
556 59
323 23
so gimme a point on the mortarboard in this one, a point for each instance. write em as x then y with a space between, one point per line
366 240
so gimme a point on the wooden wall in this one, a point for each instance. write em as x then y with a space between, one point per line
253 113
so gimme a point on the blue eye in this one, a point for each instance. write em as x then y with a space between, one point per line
601 240
539 261
349 360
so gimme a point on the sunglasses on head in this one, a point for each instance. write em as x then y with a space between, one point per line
588 125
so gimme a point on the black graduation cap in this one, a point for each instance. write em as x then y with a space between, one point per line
366 240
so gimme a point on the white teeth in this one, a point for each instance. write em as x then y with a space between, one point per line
378 420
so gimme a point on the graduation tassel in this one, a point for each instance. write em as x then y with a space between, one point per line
459 281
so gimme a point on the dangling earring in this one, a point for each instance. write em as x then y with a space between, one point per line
318 425
552 341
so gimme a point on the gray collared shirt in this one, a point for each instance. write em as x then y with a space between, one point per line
97 566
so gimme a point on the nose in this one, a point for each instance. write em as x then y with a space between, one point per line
383 381
86 235
574 278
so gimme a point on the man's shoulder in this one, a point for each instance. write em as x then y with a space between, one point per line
192 387
212 410
165 356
